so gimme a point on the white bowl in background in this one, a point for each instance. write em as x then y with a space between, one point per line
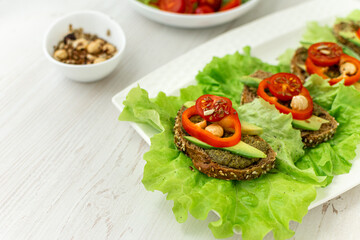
192 20
92 22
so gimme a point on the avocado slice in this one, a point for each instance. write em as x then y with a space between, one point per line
350 36
241 148
250 129
313 123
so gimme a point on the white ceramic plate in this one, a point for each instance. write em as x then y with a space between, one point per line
268 37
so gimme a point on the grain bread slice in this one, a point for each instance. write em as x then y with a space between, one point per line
346 26
203 161
298 63
309 138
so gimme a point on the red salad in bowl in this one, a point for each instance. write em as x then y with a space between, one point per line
194 6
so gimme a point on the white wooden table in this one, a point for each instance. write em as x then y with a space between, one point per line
68 168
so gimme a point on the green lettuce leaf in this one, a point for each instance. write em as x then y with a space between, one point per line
269 202
353 16
285 58
221 75
156 113
321 92
283 138
316 33
334 157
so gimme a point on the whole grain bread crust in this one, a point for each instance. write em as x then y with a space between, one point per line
298 64
202 161
309 138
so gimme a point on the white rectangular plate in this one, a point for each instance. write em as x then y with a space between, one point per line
268 37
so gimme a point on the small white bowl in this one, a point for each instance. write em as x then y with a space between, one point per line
94 23
192 20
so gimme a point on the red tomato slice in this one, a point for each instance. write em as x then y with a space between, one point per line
285 85
203 9
177 6
230 4
325 53
213 108
190 6
214 4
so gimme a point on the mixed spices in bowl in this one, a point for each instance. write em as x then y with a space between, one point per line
80 48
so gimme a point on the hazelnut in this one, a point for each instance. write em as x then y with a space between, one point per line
99 60
90 57
100 41
109 48
299 102
61 45
94 47
60 54
347 69
215 129
80 44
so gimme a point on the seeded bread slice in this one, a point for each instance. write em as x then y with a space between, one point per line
205 164
298 63
309 138
346 26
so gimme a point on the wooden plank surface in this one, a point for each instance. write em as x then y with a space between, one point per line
68 168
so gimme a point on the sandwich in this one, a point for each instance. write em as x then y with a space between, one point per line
210 133
327 60
286 92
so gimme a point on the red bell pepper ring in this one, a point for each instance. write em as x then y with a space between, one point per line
207 137
349 80
311 68
297 114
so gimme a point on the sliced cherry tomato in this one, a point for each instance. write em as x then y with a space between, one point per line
203 9
177 6
214 4
325 53
190 6
285 85
213 108
207 137
297 114
226 5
